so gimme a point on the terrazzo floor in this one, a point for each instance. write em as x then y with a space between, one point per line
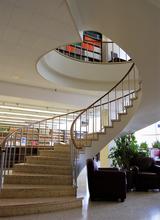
137 206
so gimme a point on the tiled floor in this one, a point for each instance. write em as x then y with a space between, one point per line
137 206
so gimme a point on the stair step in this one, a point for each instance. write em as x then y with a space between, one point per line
92 136
36 191
83 142
15 207
61 147
115 120
43 169
38 179
54 153
108 126
134 98
122 113
45 147
48 160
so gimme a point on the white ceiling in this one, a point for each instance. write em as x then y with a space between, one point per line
135 27
31 28
81 75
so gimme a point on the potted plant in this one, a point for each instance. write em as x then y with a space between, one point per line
143 149
126 149
156 144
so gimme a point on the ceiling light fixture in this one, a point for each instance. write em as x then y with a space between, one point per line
13 123
30 109
10 120
23 114
17 118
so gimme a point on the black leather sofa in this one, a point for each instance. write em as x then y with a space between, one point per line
105 184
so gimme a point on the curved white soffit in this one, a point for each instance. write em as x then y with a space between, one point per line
74 74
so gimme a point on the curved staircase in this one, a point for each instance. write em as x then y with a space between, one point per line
38 177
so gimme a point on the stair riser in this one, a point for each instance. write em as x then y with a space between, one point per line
35 193
53 180
91 136
61 149
42 170
38 208
62 145
55 154
48 162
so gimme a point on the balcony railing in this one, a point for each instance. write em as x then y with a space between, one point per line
105 52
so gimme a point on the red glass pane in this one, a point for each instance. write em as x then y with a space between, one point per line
70 49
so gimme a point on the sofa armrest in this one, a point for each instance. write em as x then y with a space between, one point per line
156 169
108 169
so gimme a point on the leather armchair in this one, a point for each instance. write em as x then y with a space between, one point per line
105 184
146 174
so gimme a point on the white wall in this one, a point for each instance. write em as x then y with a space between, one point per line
149 134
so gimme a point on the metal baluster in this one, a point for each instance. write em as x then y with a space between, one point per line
45 133
25 148
52 132
10 152
20 146
2 156
14 149
31 150
108 112
66 130
122 97
115 103
134 79
100 115
95 120
80 137
129 87
93 123
86 127
59 129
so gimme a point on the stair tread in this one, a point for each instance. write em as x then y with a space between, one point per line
45 165
38 174
29 201
54 150
46 157
27 186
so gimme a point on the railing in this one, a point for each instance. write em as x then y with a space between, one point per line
101 114
27 140
107 52
79 127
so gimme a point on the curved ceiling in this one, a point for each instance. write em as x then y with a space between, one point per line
70 73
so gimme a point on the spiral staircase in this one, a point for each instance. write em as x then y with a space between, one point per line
41 176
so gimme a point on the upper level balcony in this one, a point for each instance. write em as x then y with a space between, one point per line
94 49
